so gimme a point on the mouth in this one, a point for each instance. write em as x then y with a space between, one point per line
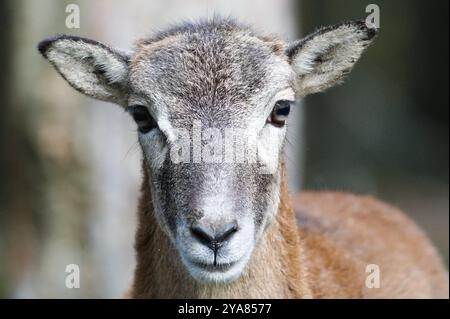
216 264
218 273
217 267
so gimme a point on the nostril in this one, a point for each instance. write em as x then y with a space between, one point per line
202 234
226 232
213 238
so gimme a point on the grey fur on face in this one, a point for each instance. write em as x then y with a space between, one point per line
222 75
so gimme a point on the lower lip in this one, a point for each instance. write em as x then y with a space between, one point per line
216 268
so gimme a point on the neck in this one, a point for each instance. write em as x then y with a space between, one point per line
276 269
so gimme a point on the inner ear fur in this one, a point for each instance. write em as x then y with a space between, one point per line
90 67
323 59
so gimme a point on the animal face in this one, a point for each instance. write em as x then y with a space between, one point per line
211 102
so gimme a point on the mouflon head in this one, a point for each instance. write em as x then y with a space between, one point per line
211 102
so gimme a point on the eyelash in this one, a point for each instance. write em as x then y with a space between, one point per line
280 113
142 117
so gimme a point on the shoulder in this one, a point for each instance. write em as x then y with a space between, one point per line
343 208
368 231
357 221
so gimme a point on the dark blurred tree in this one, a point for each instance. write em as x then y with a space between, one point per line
42 182
392 113
385 130
5 39
19 164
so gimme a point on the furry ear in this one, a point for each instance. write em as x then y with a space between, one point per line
89 66
324 58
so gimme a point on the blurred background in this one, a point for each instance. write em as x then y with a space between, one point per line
70 166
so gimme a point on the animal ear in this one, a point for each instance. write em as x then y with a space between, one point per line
324 58
89 66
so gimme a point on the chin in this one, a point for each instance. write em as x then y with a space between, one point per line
221 273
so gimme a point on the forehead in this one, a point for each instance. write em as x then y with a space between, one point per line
205 71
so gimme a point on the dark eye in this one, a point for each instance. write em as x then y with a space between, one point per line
142 117
280 113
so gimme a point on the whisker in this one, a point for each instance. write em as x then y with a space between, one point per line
132 149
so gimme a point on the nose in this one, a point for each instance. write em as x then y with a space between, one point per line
214 238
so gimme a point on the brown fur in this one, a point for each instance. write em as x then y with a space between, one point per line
325 257
343 233
160 274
